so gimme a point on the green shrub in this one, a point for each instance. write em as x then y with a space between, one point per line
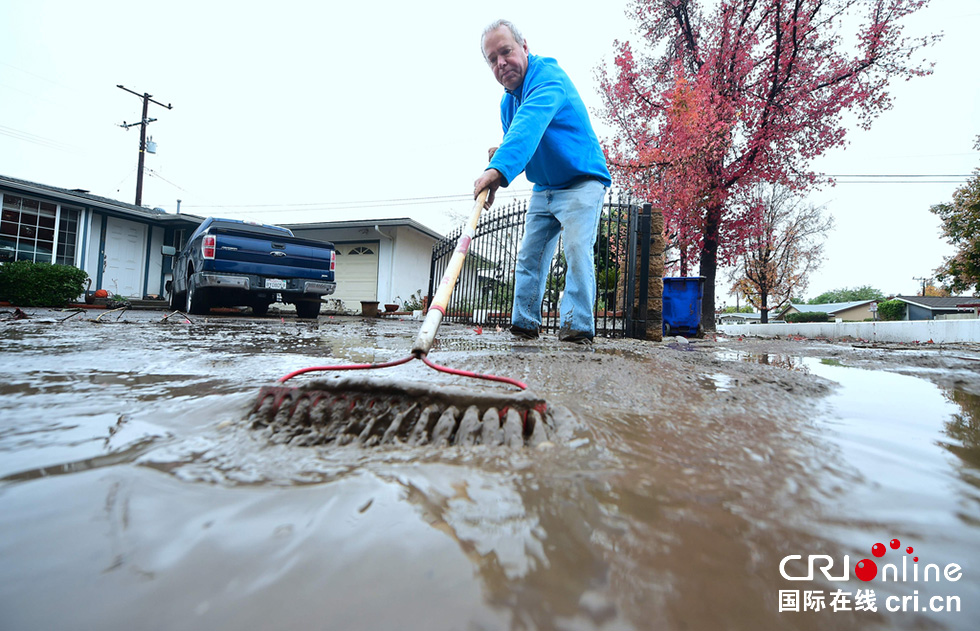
28 284
414 302
808 316
891 310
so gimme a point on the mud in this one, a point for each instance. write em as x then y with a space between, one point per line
135 492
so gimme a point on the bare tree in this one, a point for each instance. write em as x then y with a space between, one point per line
779 257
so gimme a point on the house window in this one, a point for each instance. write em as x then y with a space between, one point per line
361 250
32 230
67 235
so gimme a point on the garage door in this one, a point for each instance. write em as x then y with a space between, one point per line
357 273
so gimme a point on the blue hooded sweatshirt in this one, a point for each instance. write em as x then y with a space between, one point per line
547 131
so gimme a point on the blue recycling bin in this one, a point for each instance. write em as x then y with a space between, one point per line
682 305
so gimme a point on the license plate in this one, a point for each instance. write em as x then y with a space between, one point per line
275 283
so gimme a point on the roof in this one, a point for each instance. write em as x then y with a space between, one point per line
741 315
365 223
946 303
84 198
829 307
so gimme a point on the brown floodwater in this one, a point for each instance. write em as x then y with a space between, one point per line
134 494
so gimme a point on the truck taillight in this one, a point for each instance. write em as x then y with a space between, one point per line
208 246
333 260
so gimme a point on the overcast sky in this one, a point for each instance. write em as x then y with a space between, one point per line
312 111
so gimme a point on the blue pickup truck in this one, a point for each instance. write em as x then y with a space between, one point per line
227 262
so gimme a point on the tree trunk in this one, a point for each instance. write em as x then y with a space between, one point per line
764 309
709 265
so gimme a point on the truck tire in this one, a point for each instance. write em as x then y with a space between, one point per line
176 300
260 309
307 309
197 299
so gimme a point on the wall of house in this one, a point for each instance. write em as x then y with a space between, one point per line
855 314
413 260
154 270
915 312
92 263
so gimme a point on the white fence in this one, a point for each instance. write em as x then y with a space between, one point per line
938 331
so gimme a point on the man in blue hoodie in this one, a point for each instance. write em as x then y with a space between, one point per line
548 136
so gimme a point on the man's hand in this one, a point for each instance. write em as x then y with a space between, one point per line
490 179
491 151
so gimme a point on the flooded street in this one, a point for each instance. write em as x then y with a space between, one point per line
134 494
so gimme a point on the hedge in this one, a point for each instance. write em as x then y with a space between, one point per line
891 310
808 316
29 284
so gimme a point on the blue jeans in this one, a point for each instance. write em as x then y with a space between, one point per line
574 212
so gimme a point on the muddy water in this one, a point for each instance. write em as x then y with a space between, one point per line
133 495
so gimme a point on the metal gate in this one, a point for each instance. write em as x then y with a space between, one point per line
484 293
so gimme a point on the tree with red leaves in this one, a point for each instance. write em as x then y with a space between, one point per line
749 92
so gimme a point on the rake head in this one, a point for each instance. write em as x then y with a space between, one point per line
345 411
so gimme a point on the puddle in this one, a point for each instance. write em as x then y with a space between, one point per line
789 362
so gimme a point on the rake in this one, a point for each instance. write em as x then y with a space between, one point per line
345 410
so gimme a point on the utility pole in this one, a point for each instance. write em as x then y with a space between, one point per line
143 123
923 284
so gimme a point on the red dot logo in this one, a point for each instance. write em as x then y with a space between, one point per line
878 549
866 569
909 549
895 544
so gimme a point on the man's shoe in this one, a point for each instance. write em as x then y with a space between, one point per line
575 337
524 334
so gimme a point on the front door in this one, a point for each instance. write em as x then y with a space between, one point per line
125 248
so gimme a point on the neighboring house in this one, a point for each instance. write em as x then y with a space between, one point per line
116 244
383 260
738 318
936 308
119 244
856 311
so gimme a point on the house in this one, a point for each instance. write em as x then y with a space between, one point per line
383 260
119 244
937 308
738 318
855 311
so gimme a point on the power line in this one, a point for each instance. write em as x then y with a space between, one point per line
354 205
901 182
883 175
35 139
872 178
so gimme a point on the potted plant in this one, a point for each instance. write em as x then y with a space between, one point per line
369 308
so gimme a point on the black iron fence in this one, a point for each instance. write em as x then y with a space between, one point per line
484 293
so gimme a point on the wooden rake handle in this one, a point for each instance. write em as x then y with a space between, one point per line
427 334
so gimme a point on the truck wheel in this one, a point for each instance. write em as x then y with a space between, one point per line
197 300
176 300
308 309
260 309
